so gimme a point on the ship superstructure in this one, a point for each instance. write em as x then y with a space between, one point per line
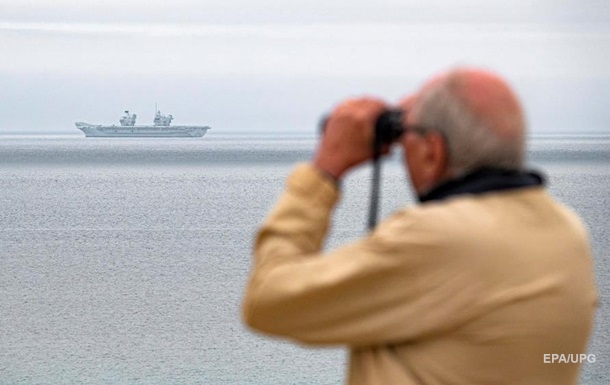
160 128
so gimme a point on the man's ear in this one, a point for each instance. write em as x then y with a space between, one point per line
434 158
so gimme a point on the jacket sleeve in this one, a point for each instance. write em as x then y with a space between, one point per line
381 289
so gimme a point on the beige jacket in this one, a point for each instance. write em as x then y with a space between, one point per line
468 290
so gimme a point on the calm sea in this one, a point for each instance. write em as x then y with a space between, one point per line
123 261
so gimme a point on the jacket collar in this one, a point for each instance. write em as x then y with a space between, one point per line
482 181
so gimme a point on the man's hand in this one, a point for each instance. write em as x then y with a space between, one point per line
348 136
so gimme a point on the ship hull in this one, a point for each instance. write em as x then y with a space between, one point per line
98 131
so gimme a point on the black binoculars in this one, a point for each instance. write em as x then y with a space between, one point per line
388 126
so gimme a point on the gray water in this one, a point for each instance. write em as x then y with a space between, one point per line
123 261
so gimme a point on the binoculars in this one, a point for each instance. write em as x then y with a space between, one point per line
388 127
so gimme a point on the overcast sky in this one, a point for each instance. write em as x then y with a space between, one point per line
264 65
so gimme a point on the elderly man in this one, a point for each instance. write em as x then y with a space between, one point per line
478 284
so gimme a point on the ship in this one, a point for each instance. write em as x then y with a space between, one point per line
160 129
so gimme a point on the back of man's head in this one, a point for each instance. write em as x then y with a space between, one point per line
479 116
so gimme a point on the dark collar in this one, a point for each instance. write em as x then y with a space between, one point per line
482 181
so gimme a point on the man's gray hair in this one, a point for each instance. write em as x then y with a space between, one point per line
471 143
